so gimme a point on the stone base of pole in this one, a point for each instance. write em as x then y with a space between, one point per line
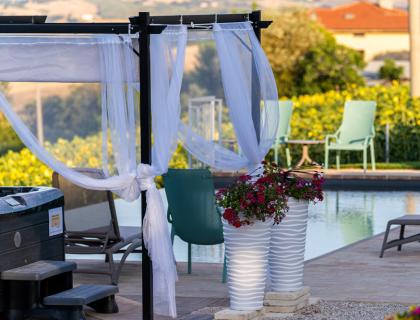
287 302
277 306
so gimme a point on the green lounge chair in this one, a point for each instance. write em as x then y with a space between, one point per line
356 132
283 131
192 209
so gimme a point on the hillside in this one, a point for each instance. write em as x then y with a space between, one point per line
97 10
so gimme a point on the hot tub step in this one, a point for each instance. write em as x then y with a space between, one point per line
99 297
38 271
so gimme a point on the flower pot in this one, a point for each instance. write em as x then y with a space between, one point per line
247 251
287 249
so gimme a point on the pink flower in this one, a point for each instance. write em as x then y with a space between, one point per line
416 311
243 203
250 196
244 178
229 214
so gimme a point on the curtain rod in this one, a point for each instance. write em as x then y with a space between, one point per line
120 28
204 20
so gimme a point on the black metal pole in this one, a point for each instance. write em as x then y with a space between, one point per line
146 154
255 18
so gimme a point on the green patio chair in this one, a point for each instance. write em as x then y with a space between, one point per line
192 209
356 132
283 131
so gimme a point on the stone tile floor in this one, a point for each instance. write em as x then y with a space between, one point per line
354 273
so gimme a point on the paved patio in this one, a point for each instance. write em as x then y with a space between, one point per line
354 273
388 174
352 179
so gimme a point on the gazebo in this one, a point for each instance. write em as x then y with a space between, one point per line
147 27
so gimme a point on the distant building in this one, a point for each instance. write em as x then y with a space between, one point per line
368 27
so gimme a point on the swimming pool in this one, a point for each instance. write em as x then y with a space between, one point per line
344 217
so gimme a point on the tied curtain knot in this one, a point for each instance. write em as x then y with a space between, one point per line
142 180
145 177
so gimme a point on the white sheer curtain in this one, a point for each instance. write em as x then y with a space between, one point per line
51 58
167 67
114 64
115 59
247 79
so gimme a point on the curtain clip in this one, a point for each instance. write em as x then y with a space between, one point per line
215 18
181 19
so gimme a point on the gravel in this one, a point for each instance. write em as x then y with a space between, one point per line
325 310
339 310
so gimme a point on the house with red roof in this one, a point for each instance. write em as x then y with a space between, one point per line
369 27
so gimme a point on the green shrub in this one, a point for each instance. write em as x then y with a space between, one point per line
390 71
316 115
305 57
313 117
23 168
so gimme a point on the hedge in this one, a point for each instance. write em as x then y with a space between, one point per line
313 117
316 115
23 168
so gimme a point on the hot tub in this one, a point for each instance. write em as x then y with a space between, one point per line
31 229
31 225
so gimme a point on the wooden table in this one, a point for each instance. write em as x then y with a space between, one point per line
305 151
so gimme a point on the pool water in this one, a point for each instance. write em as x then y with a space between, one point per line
344 217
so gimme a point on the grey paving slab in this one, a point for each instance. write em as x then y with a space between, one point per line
354 273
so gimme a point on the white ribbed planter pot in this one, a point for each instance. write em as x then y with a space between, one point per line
247 251
287 249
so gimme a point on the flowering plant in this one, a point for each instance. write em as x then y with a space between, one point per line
257 197
300 185
412 314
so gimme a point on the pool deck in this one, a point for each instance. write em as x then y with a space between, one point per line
352 179
353 273
373 175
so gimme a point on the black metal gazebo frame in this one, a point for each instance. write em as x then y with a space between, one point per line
146 25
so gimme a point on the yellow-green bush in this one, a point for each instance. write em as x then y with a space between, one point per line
313 117
23 168
316 115
319 114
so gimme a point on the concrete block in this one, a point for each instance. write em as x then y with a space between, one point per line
228 314
286 309
288 295
286 303
276 316
314 300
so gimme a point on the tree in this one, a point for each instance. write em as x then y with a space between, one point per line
79 114
328 66
294 42
206 73
389 71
